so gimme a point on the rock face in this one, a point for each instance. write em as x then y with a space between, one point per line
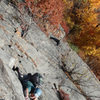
37 53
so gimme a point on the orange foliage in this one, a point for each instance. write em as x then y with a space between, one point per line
86 16
65 27
51 9
30 4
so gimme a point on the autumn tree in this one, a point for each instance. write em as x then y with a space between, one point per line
49 9
83 20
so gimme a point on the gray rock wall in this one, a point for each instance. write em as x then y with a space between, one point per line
34 53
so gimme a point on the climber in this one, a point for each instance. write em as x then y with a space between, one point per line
30 84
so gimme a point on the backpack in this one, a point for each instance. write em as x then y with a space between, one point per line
36 79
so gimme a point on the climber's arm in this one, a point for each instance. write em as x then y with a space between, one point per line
26 93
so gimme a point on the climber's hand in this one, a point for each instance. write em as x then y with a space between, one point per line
26 98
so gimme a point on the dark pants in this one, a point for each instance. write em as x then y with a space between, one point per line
23 78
